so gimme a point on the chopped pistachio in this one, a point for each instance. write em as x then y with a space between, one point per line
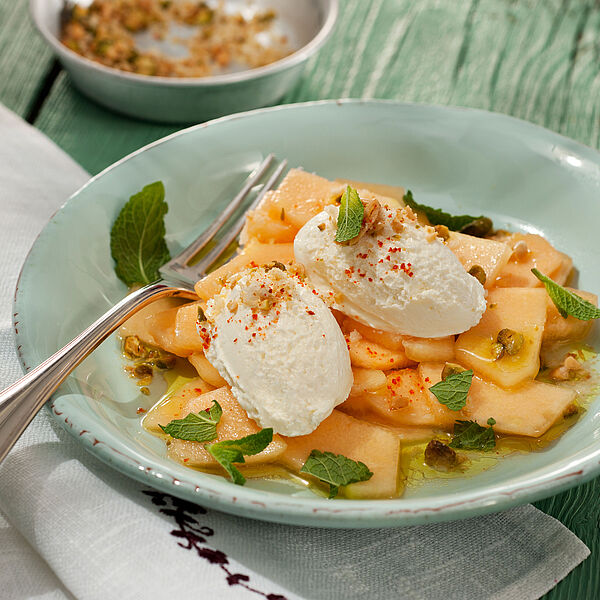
479 274
497 350
275 265
451 369
479 227
201 315
266 304
512 341
141 371
440 456
442 232
133 347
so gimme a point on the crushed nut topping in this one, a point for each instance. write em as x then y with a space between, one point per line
479 274
442 232
451 369
372 210
440 456
569 369
507 342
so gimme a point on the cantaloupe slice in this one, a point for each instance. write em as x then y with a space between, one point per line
490 255
529 410
254 253
206 370
143 323
369 355
392 195
409 402
524 311
282 212
375 446
429 349
392 341
174 407
263 225
541 255
558 328
234 424
368 380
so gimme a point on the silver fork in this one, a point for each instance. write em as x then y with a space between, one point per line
21 401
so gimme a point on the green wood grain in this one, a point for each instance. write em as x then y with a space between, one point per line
25 60
534 59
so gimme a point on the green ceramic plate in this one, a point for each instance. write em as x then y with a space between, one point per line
523 176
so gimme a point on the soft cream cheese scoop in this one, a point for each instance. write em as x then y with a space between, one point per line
278 345
398 277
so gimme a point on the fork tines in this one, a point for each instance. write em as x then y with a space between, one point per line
179 267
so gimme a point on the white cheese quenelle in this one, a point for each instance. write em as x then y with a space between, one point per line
278 345
398 276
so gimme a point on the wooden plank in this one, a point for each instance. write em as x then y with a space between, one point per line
90 133
25 60
578 509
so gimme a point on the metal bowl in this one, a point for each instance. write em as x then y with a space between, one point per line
306 23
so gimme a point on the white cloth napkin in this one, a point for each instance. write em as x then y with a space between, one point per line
74 528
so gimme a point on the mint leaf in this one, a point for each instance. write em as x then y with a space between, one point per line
469 435
567 302
201 427
137 237
477 226
229 451
335 469
453 390
350 217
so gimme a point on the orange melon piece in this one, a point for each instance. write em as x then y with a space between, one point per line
375 446
367 380
264 226
160 329
540 255
429 349
369 355
521 309
174 406
206 370
558 328
143 323
254 253
392 195
409 403
282 212
529 410
392 341
490 255
234 424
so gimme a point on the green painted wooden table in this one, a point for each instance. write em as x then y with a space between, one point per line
534 59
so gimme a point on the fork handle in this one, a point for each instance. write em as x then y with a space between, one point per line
21 401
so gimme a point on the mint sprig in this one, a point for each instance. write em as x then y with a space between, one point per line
335 469
477 226
469 435
137 237
567 302
200 427
453 391
228 452
350 217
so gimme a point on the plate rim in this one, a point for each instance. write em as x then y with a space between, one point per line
542 482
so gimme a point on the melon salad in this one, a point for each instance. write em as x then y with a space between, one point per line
451 366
